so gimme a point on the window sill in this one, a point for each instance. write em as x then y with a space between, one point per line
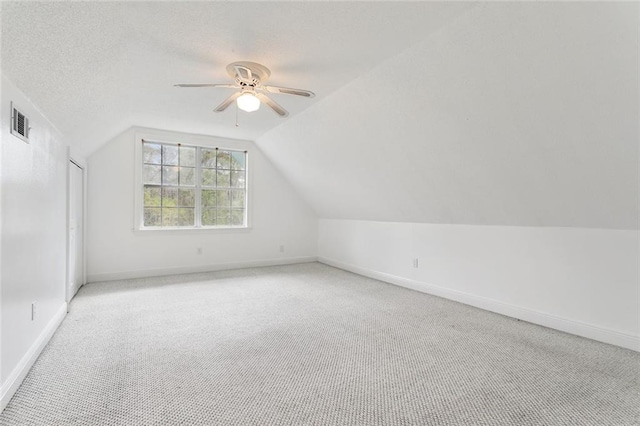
174 231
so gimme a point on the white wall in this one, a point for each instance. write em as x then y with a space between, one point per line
583 281
516 113
33 259
277 217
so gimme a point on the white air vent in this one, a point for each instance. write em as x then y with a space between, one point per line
19 124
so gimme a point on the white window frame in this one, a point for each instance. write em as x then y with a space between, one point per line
193 141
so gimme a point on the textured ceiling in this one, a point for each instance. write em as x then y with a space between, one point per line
96 68
493 113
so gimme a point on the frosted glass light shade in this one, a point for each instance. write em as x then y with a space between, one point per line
248 102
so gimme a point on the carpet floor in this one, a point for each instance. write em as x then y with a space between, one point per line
312 345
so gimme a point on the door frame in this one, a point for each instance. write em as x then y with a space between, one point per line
75 162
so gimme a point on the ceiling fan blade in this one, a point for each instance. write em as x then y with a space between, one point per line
289 91
227 102
272 104
208 85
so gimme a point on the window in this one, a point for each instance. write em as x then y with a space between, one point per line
193 187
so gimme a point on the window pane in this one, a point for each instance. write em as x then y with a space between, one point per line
151 153
224 216
237 179
187 197
223 179
187 156
237 217
208 177
208 158
152 217
224 159
152 197
187 176
237 160
186 217
169 155
169 197
208 198
237 199
222 198
170 175
169 217
171 189
151 174
208 217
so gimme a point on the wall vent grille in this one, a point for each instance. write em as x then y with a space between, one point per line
19 124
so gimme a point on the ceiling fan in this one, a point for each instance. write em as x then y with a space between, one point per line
249 79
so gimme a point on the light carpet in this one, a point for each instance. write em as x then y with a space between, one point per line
312 345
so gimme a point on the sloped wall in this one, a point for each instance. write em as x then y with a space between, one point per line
278 217
520 114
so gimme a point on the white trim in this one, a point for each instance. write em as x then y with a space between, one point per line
83 168
185 230
14 380
145 273
578 328
82 163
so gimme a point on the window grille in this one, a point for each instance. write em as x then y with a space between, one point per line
193 187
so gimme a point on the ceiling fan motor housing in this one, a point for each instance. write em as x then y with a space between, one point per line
247 73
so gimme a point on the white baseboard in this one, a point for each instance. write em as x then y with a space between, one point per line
578 328
18 374
145 273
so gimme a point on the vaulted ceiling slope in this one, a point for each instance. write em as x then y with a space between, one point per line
97 68
513 114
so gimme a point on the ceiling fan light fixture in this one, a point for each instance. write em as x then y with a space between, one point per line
248 102
249 80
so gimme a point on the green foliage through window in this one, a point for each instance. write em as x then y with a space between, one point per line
193 187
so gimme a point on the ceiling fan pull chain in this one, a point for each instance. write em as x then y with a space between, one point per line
237 125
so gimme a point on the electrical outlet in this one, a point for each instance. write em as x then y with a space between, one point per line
281 249
33 311
415 262
199 250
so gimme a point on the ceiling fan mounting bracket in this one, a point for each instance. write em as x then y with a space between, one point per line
259 73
